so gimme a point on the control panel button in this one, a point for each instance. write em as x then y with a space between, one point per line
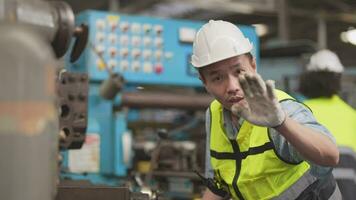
100 36
100 49
158 55
113 25
124 65
113 51
100 64
147 67
124 27
136 41
147 54
186 34
159 42
112 64
124 52
147 41
147 28
136 28
100 24
112 39
124 40
168 55
136 53
158 29
135 66
158 68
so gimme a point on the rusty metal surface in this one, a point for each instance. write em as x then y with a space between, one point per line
166 100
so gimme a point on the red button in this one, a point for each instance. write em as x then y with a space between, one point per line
158 69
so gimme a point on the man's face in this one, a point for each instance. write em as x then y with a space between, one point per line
221 79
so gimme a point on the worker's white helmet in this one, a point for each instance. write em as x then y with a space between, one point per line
325 60
216 41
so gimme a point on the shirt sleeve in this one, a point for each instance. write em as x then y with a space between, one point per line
209 172
285 150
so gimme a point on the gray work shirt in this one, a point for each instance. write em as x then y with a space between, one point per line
286 151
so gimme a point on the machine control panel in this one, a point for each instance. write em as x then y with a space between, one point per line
145 50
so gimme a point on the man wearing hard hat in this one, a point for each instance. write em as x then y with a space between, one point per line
321 84
261 143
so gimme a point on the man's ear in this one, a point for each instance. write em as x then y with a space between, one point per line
201 77
203 80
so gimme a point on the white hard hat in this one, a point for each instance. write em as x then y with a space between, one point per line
216 41
325 60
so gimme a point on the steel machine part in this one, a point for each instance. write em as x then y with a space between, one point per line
33 34
72 89
165 100
28 117
52 21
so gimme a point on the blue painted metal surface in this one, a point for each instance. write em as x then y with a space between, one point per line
144 50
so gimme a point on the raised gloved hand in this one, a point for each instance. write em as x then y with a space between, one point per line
262 107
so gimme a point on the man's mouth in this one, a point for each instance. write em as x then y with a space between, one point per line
234 100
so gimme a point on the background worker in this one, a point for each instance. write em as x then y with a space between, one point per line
261 144
321 84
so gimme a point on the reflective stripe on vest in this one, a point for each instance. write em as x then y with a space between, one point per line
336 194
294 191
239 162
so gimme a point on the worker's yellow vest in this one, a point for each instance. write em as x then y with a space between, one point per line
248 165
338 117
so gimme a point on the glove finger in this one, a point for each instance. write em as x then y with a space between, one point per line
245 86
270 90
260 84
251 83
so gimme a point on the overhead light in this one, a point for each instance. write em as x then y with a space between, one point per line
261 29
349 36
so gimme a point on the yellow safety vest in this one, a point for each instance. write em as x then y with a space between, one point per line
338 117
248 166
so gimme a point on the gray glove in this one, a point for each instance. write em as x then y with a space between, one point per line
262 107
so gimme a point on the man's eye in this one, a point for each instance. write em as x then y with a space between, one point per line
216 78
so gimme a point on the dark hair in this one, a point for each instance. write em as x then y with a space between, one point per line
249 55
319 84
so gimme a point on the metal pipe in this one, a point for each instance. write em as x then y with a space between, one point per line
322 32
166 100
114 5
283 21
28 122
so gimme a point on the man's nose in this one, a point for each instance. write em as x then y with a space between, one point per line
233 85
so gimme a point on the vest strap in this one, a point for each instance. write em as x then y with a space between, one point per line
241 155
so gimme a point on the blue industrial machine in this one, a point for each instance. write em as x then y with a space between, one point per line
145 51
